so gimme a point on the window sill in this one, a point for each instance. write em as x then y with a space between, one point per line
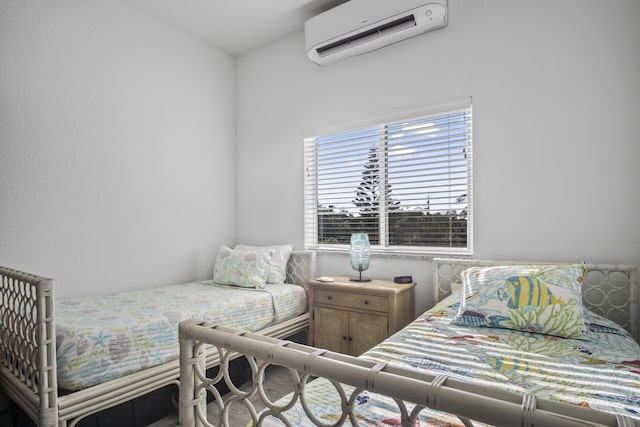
396 253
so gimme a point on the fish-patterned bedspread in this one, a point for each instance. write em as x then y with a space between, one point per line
600 371
100 338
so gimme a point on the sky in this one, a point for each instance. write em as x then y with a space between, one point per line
427 161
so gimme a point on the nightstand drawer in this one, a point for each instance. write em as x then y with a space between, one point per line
352 300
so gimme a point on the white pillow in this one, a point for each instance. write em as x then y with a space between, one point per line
278 262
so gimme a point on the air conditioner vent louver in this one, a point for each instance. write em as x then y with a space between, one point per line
360 26
390 27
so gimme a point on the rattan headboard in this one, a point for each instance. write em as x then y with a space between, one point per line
301 267
608 290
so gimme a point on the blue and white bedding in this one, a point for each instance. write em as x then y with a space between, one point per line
100 338
599 370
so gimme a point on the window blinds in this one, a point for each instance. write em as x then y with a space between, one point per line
407 183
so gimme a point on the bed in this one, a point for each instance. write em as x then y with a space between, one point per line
463 362
63 361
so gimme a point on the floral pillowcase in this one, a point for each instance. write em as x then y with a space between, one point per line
247 269
545 299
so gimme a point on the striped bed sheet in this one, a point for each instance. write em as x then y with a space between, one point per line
100 338
601 370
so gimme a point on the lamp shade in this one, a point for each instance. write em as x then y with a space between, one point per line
360 253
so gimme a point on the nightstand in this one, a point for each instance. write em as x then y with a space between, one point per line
351 317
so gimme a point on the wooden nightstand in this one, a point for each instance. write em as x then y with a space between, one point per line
351 317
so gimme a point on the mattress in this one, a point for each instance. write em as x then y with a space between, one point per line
101 338
601 370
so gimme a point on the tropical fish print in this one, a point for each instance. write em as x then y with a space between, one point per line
496 320
594 327
631 363
588 360
474 318
526 291
369 422
395 422
509 364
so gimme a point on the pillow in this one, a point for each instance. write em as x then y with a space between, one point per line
545 299
278 261
247 269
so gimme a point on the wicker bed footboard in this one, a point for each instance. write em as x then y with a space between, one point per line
28 371
28 344
466 400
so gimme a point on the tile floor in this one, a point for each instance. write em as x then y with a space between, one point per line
278 383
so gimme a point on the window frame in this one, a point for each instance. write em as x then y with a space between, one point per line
311 191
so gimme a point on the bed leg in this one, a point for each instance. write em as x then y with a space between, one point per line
193 396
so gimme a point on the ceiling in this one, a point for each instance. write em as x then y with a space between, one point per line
235 26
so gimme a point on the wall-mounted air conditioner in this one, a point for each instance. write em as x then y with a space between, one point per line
360 26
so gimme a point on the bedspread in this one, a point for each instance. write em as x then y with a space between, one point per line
601 371
100 338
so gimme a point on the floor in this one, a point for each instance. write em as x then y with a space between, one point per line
5 416
278 383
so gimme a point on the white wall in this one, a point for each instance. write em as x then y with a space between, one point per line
117 147
556 108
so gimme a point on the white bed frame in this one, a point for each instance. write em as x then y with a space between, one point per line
481 403
28 372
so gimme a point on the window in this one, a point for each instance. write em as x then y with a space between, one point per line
406 182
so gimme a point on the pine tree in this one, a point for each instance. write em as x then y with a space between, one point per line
368 192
